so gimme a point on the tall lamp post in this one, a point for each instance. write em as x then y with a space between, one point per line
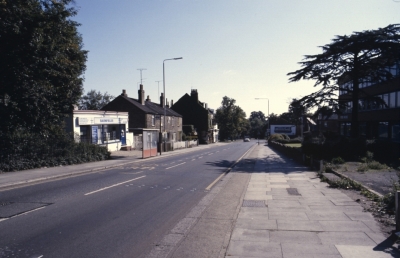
165 110
268 111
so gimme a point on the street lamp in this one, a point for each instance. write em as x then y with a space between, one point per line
163 67
268 111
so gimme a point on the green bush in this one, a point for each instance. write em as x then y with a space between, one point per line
338 160
22 151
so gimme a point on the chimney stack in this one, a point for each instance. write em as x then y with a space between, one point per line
124 93
172 102
148 98
141 95
205 106
194 95
162 100
166 103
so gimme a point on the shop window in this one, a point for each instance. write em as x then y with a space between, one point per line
396 132
383 130
85 134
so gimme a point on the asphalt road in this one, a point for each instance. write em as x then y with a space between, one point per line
118 212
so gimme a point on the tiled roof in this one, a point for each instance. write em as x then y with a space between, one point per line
152 108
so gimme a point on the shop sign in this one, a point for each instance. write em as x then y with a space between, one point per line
84 121
106 120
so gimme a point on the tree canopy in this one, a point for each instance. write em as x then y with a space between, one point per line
94 100
232 122
258 124
41 64
361 56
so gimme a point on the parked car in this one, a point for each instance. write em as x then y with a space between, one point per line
246 139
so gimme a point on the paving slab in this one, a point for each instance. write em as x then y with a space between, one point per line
310 226
256 235
352 251
327 214
348 238
302 250
344 226
287 215
256 224
254 249
299 237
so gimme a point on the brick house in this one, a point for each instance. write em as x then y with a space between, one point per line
197 114
145 114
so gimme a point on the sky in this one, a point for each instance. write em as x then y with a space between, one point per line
242 49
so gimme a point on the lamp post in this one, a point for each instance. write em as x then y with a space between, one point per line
165 110
268 111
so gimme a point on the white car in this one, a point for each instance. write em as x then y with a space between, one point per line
246 139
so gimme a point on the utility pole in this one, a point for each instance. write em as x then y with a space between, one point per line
141 69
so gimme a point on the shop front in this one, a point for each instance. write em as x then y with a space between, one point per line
108 128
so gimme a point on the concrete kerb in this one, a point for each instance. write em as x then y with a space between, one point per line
362 185
81 172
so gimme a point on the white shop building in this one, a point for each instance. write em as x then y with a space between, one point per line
107 128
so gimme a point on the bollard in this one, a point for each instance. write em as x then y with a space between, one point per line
397 211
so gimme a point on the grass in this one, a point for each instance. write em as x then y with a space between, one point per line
293 145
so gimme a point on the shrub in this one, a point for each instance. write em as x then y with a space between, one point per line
338 160
22 151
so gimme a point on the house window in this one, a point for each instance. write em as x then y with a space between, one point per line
173 121
385 98
153 121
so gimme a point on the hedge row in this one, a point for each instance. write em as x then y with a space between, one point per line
27 151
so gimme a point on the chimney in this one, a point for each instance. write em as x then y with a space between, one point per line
172 102
162 100
194 95
148 98
141 95
166 103
124 93
205 106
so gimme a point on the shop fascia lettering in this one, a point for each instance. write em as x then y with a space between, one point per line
101 121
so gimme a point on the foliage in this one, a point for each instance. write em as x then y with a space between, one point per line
338 160
94 100
371 165
231 119
258 124
41 64
356 58
22 150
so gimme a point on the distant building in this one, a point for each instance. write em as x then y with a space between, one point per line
379 107
144 114
198 115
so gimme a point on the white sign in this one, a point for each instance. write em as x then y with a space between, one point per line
84 121
283 129
106 120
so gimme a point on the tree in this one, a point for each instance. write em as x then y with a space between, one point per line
258 124
362 56
41 64
94 100
231 119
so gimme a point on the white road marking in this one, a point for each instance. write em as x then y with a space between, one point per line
114 185
176 165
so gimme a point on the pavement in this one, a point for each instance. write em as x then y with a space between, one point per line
288 212
284 210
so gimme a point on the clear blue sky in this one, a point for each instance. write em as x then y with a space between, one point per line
242 49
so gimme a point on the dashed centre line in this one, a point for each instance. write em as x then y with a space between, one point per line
114 185
176 165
